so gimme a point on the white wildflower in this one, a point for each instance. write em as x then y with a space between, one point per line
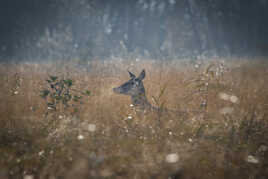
190 140
234 99
41 153
224 96
80 137
28 177
172 158
91 127
252 159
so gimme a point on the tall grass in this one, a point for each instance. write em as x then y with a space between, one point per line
214 139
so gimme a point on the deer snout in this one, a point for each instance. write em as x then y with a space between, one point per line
116 90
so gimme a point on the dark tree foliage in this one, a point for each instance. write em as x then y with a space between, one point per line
82 29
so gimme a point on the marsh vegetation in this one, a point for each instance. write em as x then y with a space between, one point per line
97 134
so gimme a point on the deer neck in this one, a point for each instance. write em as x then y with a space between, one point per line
140 101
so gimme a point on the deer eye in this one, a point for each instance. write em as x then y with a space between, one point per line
132 83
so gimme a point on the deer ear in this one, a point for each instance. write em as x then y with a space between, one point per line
142 75
131 75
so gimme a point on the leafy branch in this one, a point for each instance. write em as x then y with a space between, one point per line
60 91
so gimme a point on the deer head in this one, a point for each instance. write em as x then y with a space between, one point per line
133 87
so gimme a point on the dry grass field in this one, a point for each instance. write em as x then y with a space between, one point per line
223 134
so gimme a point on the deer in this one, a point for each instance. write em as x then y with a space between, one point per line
135 89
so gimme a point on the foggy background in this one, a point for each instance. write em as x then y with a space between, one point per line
161 29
